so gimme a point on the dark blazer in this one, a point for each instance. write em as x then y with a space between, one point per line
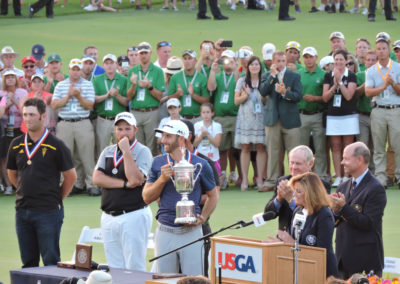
318 232
285 213
359 245
278 107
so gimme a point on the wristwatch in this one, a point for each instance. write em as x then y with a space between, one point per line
150 88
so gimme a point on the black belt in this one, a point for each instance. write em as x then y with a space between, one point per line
107 118
117 213
190 116
309 112
72 119
145 109
364 113
388 106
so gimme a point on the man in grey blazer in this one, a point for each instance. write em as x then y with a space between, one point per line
282 87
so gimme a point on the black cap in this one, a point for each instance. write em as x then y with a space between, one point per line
122 58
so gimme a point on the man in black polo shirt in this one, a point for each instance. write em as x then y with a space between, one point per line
35 161
126 220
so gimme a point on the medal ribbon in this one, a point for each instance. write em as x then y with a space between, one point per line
189 157
118 160
30 154
384 77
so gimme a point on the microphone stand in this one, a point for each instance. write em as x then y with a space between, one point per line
296 250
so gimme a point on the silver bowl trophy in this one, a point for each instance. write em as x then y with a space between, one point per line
184 181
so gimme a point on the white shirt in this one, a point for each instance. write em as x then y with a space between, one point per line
206 147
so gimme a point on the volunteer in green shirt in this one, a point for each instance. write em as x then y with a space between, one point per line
223 84
110 100
54 75
145 90
311 107
207 57
190 87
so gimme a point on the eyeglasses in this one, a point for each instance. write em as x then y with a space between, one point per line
29 66
163 43
133 48
348 64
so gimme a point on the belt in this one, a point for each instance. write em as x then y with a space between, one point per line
309 112
118 213
72 119
364 113
145 109
176 230
190 116
107 118
388 106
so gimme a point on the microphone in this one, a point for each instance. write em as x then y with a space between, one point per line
260 218
299 220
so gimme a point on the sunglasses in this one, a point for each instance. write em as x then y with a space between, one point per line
350 64
293 44
164 43
133 48
145 47
76 62
29 66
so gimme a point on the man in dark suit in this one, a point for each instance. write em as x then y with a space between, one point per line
281 114
301 160
358 205
284 11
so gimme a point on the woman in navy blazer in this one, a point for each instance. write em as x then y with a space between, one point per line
311 198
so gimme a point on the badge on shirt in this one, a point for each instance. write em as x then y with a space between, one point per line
141 94
109 104
358 207
337 100
257 108
224 97
311 240
385 94
187 100
74 107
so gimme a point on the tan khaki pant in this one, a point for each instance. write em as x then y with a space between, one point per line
146 123
104 132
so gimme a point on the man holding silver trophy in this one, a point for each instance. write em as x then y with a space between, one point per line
179 218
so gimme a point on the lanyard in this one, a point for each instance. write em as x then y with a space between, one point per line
204 71
384 77
191 82
112 85
145 75
229 80
118 160
29 154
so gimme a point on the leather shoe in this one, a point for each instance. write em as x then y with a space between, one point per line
391 19
221 17
203 18
371 19
288 18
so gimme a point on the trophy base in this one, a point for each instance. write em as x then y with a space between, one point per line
185 220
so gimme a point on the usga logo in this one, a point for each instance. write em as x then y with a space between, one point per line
238 262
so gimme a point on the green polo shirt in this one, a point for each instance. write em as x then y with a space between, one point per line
264 68
393 56
299 66
156 77
205 70
112 107
199 88
362 67
363 102
222 105
54 84
312 84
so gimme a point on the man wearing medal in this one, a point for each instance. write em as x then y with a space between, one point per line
35 161
160 185
383 82
190 87
145 88
121 172
110 91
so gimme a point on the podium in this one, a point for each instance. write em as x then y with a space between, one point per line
242 260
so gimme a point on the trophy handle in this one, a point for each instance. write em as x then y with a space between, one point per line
201 167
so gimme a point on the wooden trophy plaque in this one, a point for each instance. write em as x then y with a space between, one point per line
83 257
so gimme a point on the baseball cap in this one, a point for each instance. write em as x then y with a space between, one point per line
310 51
396 44
144 47
9 72
75 62
38 51
176 127
228 53
27 59
336 34
9 50
325 61
54 57
293 44
37 76
126 116
87 57
99 277
174 65
173 102
189 52
122 58
267 51
383 34
111 57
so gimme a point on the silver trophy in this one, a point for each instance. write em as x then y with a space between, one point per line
184 181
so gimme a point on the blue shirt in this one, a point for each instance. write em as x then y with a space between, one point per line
169 196
98 70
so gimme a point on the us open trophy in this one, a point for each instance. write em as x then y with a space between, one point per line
184 181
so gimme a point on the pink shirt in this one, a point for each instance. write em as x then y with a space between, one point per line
20 95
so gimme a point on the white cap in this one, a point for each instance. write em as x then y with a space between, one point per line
176 127
268 50
75 62
173 102
383 34
396 44
336 34
87 57
8 50
99 277
40 76
110 56
326 60
228 53
293 44
9 72
126 116
144 47
310 51
189 52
